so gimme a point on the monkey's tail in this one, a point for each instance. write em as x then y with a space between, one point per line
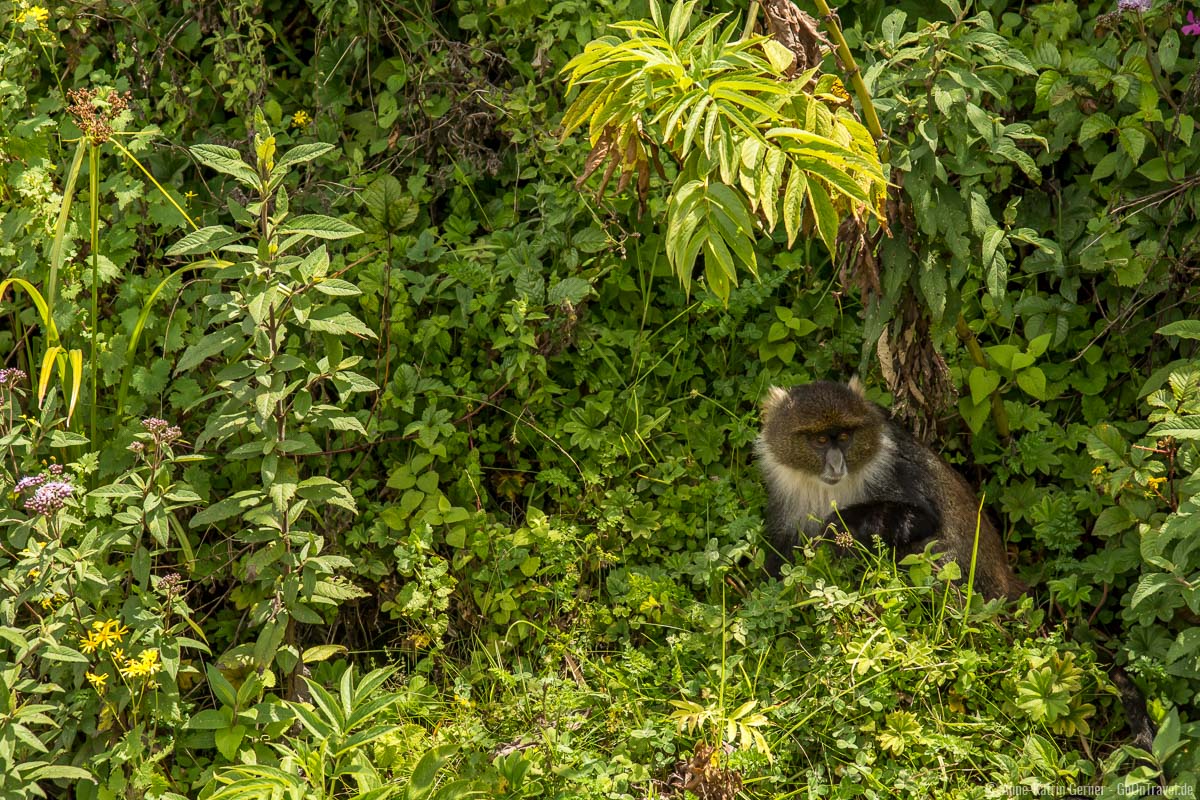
1136 714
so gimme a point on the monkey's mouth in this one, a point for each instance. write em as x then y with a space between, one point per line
832 480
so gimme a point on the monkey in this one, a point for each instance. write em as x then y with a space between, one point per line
835 463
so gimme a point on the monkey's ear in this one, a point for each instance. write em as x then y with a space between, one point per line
774 399
856 386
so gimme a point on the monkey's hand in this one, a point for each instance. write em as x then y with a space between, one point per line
900 525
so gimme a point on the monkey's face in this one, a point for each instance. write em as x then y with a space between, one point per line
826 430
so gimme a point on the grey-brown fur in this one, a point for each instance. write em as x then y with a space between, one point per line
892 487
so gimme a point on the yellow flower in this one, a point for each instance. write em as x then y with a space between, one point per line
189 195
118 655
97 681
35 572
103 635
144 665
109 632
35 14
300 119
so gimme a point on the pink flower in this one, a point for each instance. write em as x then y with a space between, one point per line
1193 26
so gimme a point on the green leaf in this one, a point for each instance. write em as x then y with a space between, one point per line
974 414
387 202
59 652
1133 141
318 225
210 345
336 287
825 214
222 688
1105 443
1094 125
59 772
325 490
779 55
1168 50
302 153
228 161
982 382
61 438
210 719
236 504
1184 328
1186 427
425 772
569 290
229 740
1033 381
322 652
793 203
328 320
204 240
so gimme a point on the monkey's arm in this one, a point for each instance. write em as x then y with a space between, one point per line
904 526
780 535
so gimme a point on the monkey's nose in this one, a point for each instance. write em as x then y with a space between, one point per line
831 477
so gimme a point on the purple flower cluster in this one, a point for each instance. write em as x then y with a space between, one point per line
29 482
11 377
1193 26
162 431
49 498
1133 5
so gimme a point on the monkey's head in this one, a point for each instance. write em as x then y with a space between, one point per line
824 429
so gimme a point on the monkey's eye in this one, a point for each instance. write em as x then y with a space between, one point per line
821 440
844 437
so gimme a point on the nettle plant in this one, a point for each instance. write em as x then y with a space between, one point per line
281 320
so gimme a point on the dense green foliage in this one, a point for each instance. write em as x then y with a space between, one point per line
351 450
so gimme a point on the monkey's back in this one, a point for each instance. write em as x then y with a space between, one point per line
937 485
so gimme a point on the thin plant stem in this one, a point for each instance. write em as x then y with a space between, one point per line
157 185
94 224
751 18
870 118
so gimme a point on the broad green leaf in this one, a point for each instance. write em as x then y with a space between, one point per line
318 225
1185 328
210 345
1105 443
204 240
210 719
824 215
59 772
322 652
1033 381
336 287
302 153
328 320
228 161
982 382
425 772
231 506
780 56
1186 427
388 203
793 203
